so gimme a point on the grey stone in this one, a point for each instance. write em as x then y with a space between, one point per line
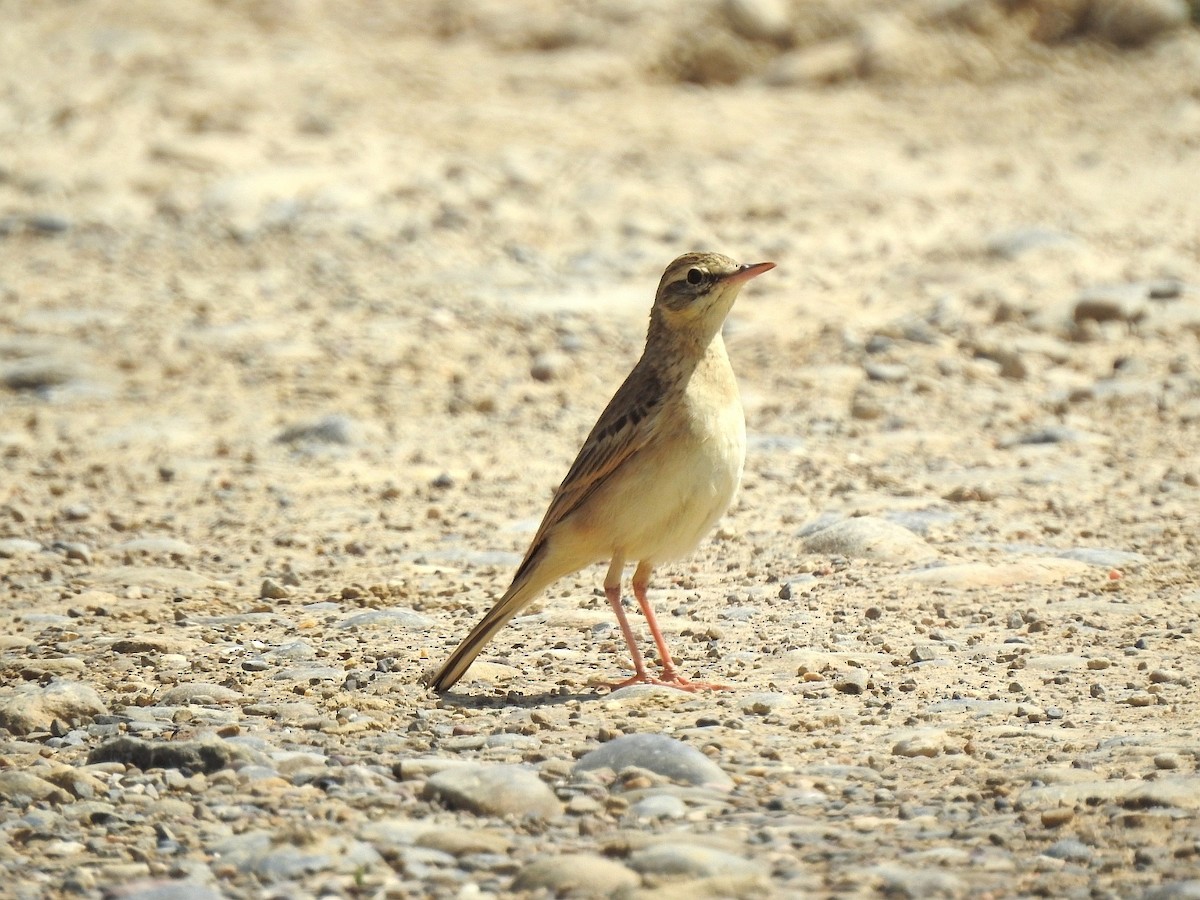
1111 303
660 754
576 875
1175 890
257 853
11 548
549 366
200 693
659 806
34 708
1131 23
18 788
390 617
463 841
692 860
157 546
891 373
868 537
494 791
1017 242
760 20
333 429
204 755
1069 849
163 889
1113 559
1180 791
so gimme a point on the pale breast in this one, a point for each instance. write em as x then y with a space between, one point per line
667 500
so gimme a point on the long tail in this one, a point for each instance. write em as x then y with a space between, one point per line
531 580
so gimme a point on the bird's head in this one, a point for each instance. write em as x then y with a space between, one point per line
698 289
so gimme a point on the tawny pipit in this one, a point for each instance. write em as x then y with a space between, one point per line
660 466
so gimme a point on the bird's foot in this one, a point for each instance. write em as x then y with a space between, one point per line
672 679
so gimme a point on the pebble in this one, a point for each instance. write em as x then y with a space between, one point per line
270 589
204 755
493 791
33 708
576 875
156 546
868 537
1174 890
200 693
272 859
929 742
660 754
332 429
1017 242
1108 559
694 860
20 788
1069 849
1131 23
549 366
464 841
658 806
11 548
760 20
889 373
391 617
1111 303
163 889
1034 570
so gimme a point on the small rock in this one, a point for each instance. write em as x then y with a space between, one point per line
868 537
464 841
828 62
157 546
1057 817
1111 303
692 860
34 708
273 590
1069 849
392 617
660 754
891 373
333 429
852 682
163 889
1108 559
1019 241
199 693
11 548
19 788
1175 890
549 366
760 20
76 512
205 755
494 791
1132 23
576 875
659 806
929 743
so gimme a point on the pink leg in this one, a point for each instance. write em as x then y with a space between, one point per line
670 677
612 590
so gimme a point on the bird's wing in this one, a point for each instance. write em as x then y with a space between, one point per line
625 426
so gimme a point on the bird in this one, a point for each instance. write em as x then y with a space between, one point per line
661 465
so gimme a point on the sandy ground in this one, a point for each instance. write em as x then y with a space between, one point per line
305 309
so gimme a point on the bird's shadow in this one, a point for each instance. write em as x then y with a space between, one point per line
513 699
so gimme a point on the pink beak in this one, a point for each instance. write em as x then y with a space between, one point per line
749 270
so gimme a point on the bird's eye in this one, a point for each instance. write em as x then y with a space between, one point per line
695 276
